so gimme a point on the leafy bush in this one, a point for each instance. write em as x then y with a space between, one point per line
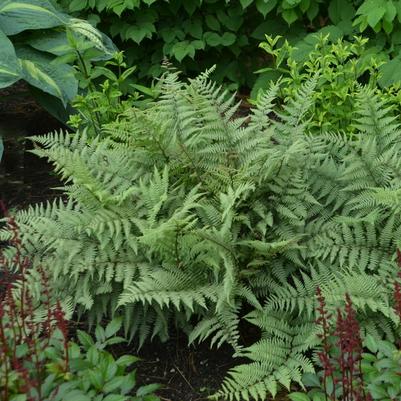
38 362
341 68
195 33
185 213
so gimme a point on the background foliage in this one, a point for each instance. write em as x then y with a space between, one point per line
197 33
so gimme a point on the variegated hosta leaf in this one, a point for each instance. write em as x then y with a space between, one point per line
19 15
39 71
10 71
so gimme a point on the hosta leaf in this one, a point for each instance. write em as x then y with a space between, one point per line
51 42
20 15
10 71
57 80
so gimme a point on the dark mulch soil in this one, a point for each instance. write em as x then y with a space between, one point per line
185 373
24 178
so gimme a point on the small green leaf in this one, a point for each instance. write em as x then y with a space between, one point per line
100 334
76 395
113 327
212 22
212 39
183 49
18 397
148 389
265 6
298 397
290 16
127 360
228 39
85 339
96 378
371 343
115 397
114 384
245 3
77 5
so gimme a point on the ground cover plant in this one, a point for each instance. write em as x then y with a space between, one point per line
192 32
38 359
183 214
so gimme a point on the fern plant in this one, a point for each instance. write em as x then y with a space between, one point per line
184 214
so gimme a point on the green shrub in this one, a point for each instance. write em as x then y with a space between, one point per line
186 213
193 33
341 66
196 33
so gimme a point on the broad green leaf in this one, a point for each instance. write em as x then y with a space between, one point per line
51 42
340 10
390 72
38 70
20 15
10 70
391 11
